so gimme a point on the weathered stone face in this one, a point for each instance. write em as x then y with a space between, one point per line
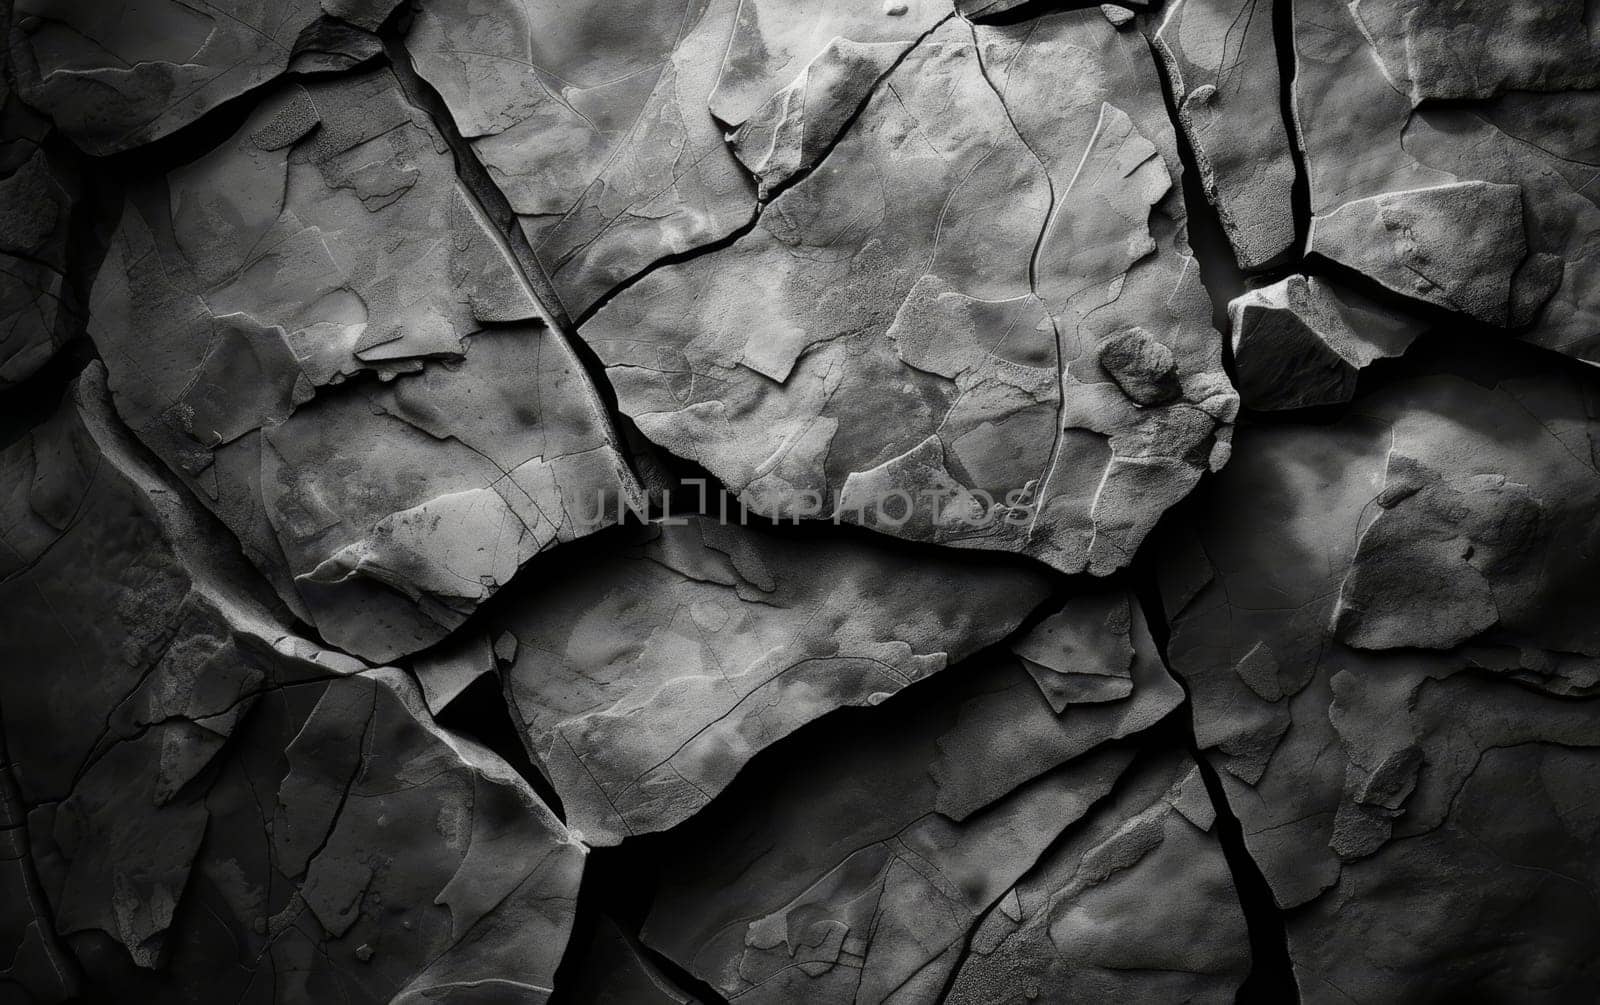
799 501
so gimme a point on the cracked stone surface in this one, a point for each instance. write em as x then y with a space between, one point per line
1222 61
38 311
987 313
906 501
855 870
115 76
1072 928
316 326
184 731
646 681
1406 635
1304 341
1450 169
363 853
592 121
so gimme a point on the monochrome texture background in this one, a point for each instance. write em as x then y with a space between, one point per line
799 501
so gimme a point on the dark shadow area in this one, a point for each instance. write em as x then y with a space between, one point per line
620 883
1271 980
1288 72
480 713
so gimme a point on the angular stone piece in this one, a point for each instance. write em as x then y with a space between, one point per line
359 852
647 680
832 879
1364 138
1137 903
1016 732
1383 626
1222 62
451 668
1455 246
1119 16
591 120
929 358
1437 560
144 646
247 301
1444 51
1303 341
38 314
796 127
774 43
856 865
114 76
1082 654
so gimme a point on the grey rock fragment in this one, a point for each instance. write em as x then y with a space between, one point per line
1142 367
591 119
1136 903
1364 137
1379 626
358 851
454 666
1436 560
928 361
796 127
774 44
646 681
145 646
1445 51
113 77
214 807
1222 63
247 301
1303 341
1455 246
856 866
1082 654
1015 736
1120 17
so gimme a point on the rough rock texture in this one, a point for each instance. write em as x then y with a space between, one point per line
592 121
1395 674
167 705
981 325
1075 928
249 299
1458 246
114 76
1223 66
39 312
645 681
357 852
141 658
1448 162
1303 342
856 869
518 500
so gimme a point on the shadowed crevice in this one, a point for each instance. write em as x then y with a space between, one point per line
496 209
1288 74
1219 269
1271 980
